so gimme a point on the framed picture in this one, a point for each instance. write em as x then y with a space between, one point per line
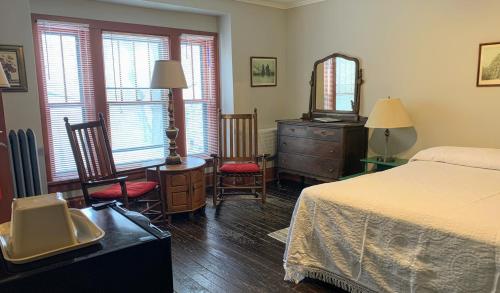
263 71
12 59
488 72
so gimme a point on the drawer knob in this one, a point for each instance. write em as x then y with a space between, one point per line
330 170
323 132
292 129
331 151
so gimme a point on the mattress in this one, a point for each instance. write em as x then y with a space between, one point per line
431 225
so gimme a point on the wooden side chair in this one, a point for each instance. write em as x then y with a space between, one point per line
238 158
96 167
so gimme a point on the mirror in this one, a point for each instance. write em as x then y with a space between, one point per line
335 83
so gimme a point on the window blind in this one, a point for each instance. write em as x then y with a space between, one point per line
137 115
200 98
65 59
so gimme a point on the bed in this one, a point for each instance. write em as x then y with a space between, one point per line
431 225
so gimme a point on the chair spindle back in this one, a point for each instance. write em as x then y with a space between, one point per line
91 149
238 137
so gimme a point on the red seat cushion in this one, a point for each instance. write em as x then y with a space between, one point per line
240 168
134 189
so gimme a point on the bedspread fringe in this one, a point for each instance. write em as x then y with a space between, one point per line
298 274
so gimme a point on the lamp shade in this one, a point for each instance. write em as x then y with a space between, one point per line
168 74
388 113
4 82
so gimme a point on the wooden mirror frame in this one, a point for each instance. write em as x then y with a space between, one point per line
344 115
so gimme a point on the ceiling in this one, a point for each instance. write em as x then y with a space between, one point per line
282 4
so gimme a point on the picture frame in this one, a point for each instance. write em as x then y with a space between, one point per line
263 71
12 59
488 70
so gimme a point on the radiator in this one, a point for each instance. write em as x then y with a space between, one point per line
24 161
267 141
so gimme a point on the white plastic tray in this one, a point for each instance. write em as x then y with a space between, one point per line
87 232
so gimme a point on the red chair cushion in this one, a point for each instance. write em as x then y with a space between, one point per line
134 189
240 168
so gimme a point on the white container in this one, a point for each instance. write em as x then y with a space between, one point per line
40 224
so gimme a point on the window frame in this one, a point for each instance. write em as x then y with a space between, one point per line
209 128
96 29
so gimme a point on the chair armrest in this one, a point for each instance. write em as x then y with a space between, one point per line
215 161
106 181
263 157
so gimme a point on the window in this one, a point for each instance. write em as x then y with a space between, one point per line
137 114
88 66
200 98
67 88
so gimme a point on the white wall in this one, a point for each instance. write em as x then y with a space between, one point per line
422 51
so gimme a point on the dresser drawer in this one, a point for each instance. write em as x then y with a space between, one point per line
323 133
310 147
322 167
292 130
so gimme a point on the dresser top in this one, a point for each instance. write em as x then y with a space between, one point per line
341 124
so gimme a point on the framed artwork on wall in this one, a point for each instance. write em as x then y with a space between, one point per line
488 72
263 71
12 59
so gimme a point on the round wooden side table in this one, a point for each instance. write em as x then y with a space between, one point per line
182 186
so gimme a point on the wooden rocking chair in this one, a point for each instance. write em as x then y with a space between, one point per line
238 158
96 167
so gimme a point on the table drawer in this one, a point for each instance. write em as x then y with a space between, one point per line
323 133
292 130
306 146
328 168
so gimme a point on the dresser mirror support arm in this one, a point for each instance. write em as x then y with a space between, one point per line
311 84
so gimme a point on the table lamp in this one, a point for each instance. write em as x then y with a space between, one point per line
168 74
388 113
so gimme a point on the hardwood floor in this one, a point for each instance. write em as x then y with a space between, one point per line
228 250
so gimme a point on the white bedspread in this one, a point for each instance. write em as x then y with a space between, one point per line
428 226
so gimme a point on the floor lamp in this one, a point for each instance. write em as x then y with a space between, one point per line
4 83
168 74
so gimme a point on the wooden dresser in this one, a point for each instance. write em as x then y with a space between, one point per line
323 151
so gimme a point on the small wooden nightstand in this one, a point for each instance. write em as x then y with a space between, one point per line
182 186
378 165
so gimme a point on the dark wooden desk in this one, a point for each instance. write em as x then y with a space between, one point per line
130 258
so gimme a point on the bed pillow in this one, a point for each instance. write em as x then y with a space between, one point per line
465 156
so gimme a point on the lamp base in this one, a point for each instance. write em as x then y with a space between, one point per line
173 160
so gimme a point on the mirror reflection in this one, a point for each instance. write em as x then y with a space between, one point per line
336 84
